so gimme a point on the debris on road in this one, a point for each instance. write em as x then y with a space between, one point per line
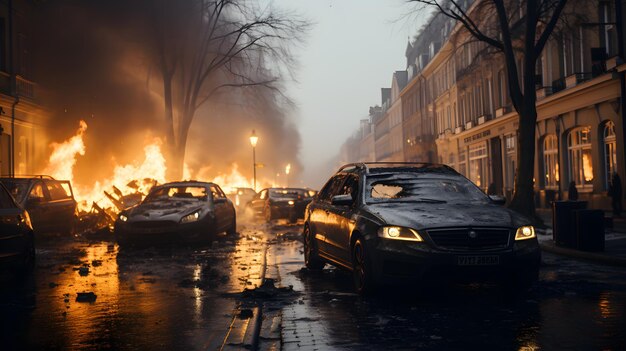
86 297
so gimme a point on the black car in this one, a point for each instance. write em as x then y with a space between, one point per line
49 202
17 242
178 212
401 222
277 203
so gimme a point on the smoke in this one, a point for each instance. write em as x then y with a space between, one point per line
95 60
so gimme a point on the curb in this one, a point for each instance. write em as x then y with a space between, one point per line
583 255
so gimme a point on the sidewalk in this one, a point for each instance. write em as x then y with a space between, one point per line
614 253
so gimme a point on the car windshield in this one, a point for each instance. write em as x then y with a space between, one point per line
288 193
190 193
420 187
17 188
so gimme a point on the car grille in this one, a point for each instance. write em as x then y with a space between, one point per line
463 239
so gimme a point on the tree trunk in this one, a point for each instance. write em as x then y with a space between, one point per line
523 198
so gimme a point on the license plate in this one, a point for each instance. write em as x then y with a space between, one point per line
478 260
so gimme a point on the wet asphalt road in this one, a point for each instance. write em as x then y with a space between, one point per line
190 299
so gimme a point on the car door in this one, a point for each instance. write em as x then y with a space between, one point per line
61 206
11 219
340 221
318 211
37 206
223 210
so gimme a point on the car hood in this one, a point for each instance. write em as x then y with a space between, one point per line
163 210
439 215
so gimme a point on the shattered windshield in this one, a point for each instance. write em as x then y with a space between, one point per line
17 188
198 193
420 187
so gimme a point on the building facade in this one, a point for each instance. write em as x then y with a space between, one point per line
22 119
456 108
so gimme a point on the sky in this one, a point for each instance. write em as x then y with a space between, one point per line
351 51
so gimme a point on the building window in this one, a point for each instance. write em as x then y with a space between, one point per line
580 161
462 165
510 143
551 162
610 153
479 165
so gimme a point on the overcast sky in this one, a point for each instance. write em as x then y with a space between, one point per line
352 51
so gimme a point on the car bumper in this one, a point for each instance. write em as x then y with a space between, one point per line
129 233
398 262
287 212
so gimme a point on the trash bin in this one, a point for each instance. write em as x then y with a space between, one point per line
589 226
563 226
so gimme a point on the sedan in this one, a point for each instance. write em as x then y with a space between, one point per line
410 222
17 242
277 203
177 212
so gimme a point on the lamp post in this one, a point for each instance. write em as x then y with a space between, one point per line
253 140
287 169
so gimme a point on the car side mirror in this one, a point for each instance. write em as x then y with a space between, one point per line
497 199
342 200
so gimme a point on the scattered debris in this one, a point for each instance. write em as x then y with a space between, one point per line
83 271
268 290
86 297
246 314
96 263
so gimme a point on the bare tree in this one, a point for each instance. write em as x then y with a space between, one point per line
516 29
204 46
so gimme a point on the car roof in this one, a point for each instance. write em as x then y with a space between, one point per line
391 167
185 183
25 178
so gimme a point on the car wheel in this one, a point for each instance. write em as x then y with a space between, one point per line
311 257
361 270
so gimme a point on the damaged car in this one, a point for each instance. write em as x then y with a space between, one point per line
392 223
280 203
177 212
49 202
17 241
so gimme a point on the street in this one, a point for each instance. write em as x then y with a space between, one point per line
210 298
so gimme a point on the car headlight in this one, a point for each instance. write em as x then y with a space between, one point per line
290 202
399 233
524 233
190 217
123 218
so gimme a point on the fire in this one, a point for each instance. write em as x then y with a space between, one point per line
138 176
63 158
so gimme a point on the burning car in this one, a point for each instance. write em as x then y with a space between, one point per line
403 222
177 212
276 203
49 202
16 233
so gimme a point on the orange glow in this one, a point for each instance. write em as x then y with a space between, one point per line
144 172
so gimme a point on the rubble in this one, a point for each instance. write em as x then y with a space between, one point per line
86 297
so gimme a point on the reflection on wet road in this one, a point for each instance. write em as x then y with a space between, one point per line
189 299
144 299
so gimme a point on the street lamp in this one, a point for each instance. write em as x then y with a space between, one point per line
253 140
287 169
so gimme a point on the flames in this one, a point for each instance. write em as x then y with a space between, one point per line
138 176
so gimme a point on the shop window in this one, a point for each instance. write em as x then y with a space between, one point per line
510 143
479 165
610 153
580 160
551 162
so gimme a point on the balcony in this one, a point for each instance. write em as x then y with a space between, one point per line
25 88
469 125
502 111
613 62
542 92
575 79
482 119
